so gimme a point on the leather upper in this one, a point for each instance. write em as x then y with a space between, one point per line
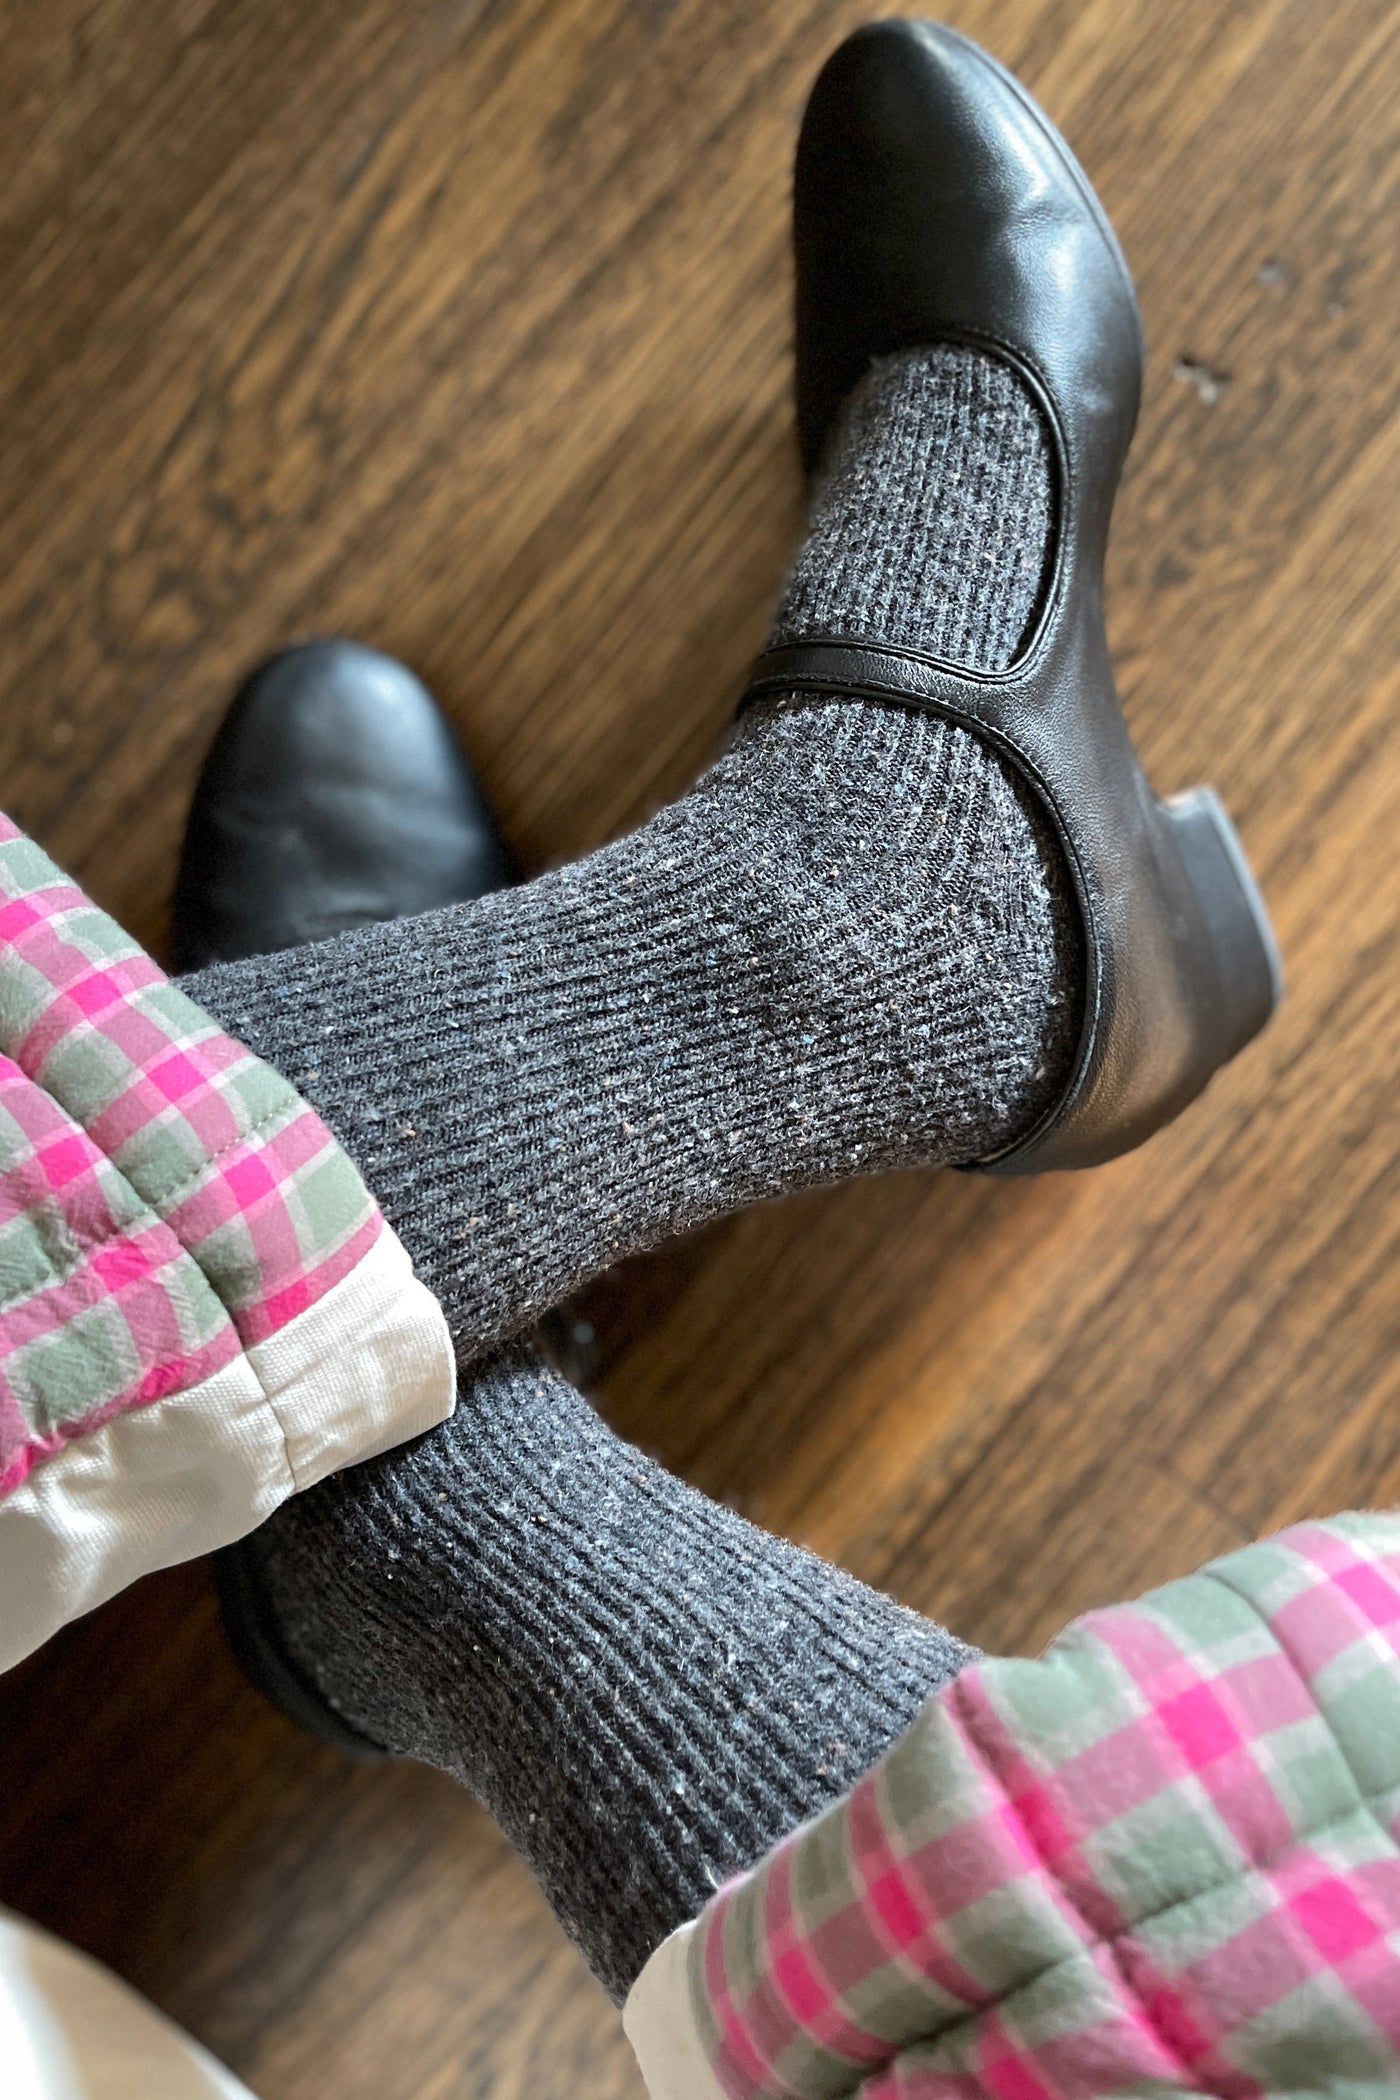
933 202
334 795
929 187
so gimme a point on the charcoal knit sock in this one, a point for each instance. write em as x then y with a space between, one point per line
849 947
642 1688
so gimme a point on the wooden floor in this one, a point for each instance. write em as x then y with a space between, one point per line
463 326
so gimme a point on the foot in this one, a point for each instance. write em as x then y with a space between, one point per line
933 202
852 946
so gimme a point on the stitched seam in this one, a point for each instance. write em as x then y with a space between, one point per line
272 1399
173 1200
1364 1799
1366 1804
1093 1936
1108 1941
145 1220
110 1413
192 1255
182 1189
83 1249
104 1420
897 653
213 1159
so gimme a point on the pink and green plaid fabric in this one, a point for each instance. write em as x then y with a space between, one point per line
1164 1859
165 1198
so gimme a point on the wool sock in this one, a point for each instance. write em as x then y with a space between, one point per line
644 1690
850 947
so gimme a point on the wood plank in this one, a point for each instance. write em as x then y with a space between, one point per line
465 328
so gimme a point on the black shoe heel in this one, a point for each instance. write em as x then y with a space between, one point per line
1242 939
250 1629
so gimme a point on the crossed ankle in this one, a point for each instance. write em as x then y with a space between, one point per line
846 950
850 947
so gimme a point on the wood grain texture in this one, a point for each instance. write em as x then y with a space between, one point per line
464 327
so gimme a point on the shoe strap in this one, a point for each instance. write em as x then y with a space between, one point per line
836 664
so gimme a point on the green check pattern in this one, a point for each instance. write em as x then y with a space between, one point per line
1164 1859
166 1199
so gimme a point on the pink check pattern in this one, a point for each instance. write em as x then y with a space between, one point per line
1163 1859
166 1200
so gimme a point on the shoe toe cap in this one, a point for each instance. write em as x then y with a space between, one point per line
335 794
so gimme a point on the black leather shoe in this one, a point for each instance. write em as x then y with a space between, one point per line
934 203
334 795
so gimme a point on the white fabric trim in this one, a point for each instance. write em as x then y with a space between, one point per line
367 1367
659 2024
71 2030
